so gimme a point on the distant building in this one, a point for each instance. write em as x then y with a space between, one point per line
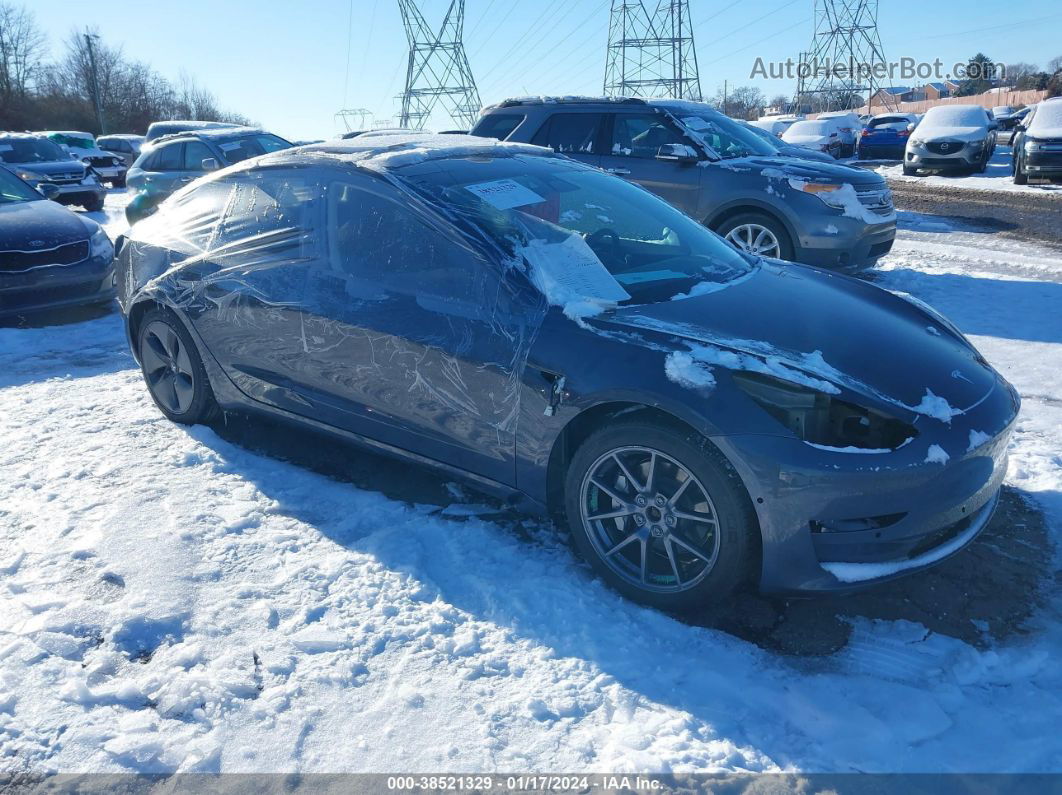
937 90
888 97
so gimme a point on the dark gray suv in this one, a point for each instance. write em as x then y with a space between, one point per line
716 171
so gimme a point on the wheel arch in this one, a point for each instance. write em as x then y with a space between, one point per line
724 214
579 428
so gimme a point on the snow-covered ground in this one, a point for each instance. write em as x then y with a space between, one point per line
998 176
172 601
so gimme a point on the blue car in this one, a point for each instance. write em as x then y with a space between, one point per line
572 343
885 136
50 257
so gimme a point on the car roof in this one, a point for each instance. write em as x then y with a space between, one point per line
389 152
209 134
22 136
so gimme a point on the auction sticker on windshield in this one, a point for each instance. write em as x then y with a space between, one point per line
504 194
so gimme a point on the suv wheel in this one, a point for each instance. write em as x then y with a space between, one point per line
757 233
173 370
660 515
94 205
1020 177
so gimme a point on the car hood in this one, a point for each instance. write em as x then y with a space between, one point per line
807 170
51 168
1045 133
831 327
952 133
28 226
809 154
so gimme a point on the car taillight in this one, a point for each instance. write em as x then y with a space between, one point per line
866 133
904 133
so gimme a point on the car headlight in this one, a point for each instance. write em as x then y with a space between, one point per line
29 176
919 142
100 245
1032 145
829 193
977 144
821 419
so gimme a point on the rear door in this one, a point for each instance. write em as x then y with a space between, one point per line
579 135
162 171
634 141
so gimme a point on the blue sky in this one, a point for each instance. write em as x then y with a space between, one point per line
284 64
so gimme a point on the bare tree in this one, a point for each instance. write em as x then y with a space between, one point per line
743 102
1055 64
22 47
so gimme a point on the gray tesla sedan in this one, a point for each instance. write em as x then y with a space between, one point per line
697 417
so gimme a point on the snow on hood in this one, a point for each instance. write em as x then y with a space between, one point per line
943 132
787 322
806 139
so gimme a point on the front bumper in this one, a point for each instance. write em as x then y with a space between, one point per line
57 286
843 243
1044 163
834 521
967 157
108 174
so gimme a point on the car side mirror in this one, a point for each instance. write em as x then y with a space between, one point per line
48 190
676 153
210 164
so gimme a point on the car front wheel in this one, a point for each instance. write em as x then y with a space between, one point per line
757 234
1020 177
660 515
173 369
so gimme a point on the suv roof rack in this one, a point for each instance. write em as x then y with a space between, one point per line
515 101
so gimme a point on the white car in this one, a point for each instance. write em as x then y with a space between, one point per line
822 135
956 137
82 146
775 125
849 126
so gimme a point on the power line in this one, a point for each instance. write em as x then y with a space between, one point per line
529 51
651 53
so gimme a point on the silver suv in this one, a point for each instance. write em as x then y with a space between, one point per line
171 162
716 171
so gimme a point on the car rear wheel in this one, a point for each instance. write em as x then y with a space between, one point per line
660 515
173 370
757 234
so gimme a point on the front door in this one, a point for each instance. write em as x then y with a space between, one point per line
635 140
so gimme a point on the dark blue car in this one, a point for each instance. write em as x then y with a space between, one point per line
694 415
50 257
885 137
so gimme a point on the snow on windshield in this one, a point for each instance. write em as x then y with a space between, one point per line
954 116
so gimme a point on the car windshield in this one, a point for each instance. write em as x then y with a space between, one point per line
12 189
577 217
726 137
1048 117
30 150
955 116
248 146
769 139
890 123
811 128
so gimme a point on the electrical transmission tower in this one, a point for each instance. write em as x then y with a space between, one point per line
651 53
846 59
438 71
354 118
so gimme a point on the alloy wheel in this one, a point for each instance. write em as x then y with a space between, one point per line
168 369
755 239
650 519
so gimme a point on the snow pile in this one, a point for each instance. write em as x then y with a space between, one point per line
686 371
773 365
937 455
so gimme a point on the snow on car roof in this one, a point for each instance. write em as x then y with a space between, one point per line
387 152
22 136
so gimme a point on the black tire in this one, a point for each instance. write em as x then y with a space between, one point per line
734 552
94 206
909 171
785 244
118 183
200 407
1020 177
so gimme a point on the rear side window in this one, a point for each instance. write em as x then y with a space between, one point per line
570 132
270 216
498 125
195 152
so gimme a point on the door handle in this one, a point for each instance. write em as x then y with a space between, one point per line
618 171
